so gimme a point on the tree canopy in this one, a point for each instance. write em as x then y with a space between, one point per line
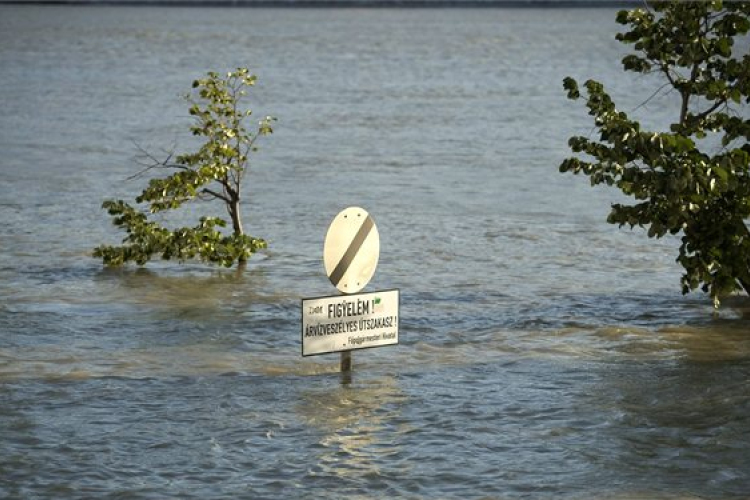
692 180
214 172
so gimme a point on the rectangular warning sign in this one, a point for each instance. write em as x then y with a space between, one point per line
347 322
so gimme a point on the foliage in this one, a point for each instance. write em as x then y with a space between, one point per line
214 172
682 184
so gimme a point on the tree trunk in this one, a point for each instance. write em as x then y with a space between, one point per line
234 212
745 283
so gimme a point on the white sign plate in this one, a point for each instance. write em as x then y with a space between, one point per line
348 322
351 250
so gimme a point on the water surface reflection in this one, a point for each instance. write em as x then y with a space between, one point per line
361 440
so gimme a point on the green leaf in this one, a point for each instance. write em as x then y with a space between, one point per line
571 86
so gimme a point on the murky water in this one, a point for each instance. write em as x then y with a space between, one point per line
544 354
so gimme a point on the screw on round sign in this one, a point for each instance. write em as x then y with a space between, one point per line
351 250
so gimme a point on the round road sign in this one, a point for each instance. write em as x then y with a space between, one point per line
351 250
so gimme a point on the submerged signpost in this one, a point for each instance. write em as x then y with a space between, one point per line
351 320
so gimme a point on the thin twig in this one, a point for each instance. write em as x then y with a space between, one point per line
154 163
650 98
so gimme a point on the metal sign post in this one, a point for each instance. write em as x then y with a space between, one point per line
346 367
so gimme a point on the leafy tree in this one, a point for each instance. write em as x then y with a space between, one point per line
693 179
214 172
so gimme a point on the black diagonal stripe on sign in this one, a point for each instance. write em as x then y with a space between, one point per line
351 252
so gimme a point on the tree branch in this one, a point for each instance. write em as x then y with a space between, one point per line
666 70
216 195
154 163
658 91
687 92
713 108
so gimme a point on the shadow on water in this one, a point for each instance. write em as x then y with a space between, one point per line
682 422
183 290
191 291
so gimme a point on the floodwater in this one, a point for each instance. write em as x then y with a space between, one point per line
544 353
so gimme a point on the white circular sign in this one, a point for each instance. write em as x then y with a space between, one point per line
351 250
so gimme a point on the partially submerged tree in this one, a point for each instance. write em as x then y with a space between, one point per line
682 182
214 172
